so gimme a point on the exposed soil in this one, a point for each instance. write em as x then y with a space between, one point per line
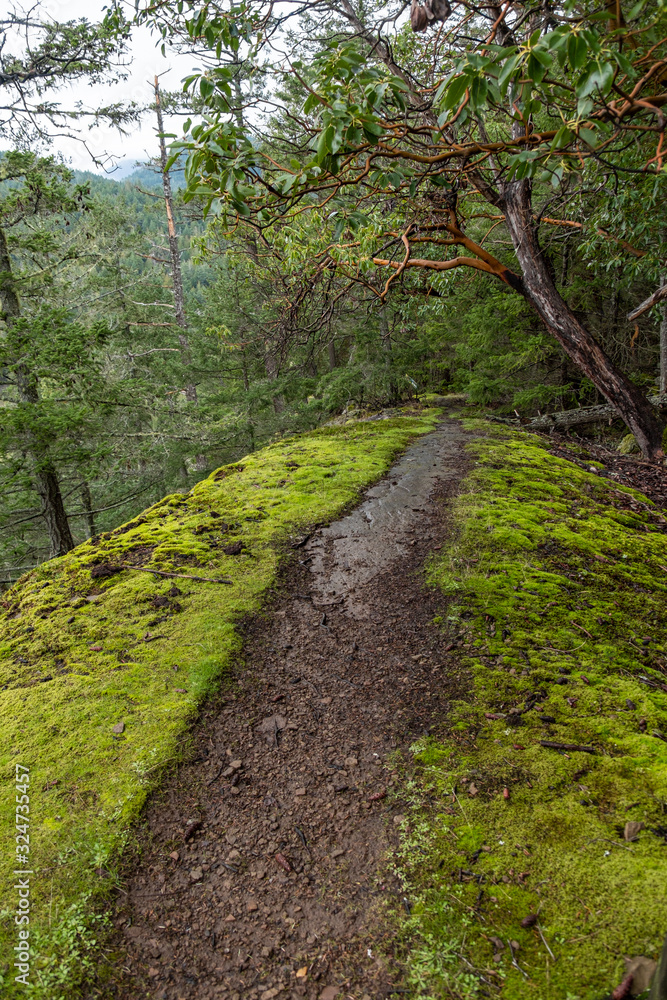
261 869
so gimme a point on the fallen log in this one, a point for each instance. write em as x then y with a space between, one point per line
573 418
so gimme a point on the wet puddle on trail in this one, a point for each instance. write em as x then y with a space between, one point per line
351 552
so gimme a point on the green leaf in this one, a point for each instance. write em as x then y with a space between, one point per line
494 93
535 70
584 107
589 137
507 72
557 176
455 91
442 88
562 138
372 128
357 219
312 101
542 55
636 10
398 84
623 61
606 76
372 131
337 138
324 142
597 76
285 182
478 91
577 51
558 38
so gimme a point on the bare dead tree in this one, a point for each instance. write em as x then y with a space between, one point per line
174 249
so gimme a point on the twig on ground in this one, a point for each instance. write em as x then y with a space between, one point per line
514 961
550 745
545 942
178 576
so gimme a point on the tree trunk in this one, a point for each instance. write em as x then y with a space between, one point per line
53 510
540 291
46 477
331 348
87 501
174 251
271 368
385 336
663 345
663 327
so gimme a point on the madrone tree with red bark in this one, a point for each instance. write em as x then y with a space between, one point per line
416 151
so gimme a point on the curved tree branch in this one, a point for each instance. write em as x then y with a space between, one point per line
658 296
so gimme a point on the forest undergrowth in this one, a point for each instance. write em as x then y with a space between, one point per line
534 849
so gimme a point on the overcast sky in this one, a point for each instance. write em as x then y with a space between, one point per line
146 61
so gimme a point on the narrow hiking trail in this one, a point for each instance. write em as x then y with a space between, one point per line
262 863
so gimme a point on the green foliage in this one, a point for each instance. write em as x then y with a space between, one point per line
560 586
559 76
68 948
368 174
54 54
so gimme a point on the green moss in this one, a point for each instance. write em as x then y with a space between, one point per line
559 578
81 652
628 444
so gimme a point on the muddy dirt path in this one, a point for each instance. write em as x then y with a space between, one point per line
262 868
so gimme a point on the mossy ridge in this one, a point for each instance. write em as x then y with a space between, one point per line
555 575
72 667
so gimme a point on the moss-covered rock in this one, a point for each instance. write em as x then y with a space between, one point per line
558 581
103 664
628 445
